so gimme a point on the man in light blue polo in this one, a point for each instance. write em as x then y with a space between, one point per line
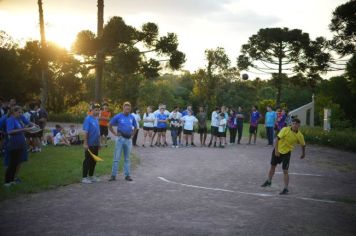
270 119
126 127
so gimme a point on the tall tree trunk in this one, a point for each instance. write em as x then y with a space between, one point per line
44 62
279 81
99 54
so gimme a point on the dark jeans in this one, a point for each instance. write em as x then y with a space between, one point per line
269 132
232 134
174 134
15 160
239 132
89 163
134 138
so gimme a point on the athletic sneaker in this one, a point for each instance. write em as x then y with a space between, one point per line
267 183
94 179
86 181
284 192
112 178
128 178
8 184
177 146
193 144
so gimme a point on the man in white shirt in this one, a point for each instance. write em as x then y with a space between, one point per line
214 126
188 127
137 116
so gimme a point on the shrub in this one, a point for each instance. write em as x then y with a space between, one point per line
66 117
340 139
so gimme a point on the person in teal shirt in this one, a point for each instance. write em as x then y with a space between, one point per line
270 119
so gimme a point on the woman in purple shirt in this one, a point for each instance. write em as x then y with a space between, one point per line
232 124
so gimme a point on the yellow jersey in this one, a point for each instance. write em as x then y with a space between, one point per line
288 139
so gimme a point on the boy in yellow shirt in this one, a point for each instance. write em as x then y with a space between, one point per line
287 138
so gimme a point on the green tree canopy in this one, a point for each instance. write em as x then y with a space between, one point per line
283 51
133 51
343 25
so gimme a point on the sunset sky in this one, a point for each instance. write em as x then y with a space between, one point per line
199 24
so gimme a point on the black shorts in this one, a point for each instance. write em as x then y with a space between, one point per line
203 130
104 130
283 158
187 132
253 129
147 128
221 134
214 130
161 130
180 129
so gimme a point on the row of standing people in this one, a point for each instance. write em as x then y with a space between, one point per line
156 123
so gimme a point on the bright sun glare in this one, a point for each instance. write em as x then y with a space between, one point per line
62 32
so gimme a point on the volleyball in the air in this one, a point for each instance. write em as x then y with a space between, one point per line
245 76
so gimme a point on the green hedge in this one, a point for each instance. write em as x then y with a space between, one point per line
65 117
340 139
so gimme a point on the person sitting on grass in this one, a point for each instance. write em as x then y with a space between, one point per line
73 136
287 138
60 139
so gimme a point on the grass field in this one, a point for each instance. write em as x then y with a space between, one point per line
54 167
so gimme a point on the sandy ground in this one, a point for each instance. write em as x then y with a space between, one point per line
199 191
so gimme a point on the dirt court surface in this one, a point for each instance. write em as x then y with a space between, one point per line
199 191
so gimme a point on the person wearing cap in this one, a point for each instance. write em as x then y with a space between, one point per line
126 128
92 143
288 137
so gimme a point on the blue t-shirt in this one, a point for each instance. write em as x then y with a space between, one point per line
270 118
3 124
161 124
91 126
255 115
125 123
17 140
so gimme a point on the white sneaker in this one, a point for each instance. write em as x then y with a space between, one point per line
177 146
86 181
94 179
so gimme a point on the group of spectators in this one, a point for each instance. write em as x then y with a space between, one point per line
20 132
22 129
184 123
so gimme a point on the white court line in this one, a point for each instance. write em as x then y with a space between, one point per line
301 174
246 193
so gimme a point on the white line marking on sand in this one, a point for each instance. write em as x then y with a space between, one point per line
301 174
246 193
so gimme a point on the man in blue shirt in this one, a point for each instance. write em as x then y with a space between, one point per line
270 119
92 143
254 119
16 143
126 127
